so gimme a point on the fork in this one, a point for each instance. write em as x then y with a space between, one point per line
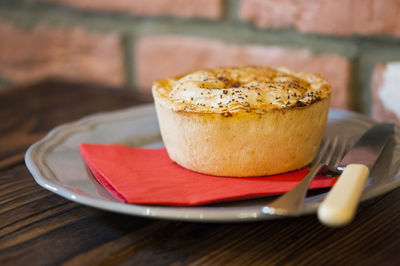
292 202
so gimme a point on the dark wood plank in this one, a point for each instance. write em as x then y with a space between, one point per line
40 228
73 234
27 113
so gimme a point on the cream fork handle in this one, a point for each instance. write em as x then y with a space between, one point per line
339 207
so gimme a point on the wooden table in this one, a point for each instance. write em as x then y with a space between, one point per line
38 227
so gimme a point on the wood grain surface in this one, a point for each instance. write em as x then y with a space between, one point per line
38 227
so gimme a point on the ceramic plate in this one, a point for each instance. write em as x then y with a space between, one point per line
56 165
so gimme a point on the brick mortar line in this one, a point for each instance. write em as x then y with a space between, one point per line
355 90
236 33
231 10
128 25
127 44
121 21
365 77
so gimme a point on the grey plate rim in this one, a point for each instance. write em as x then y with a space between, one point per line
34 159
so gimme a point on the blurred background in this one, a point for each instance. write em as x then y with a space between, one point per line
127 44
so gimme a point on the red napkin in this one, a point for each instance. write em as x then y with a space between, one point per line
148 176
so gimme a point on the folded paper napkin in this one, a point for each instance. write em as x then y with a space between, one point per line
148 176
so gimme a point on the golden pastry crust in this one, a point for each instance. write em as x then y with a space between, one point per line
209 125
241 88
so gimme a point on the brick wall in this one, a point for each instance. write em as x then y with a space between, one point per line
128 44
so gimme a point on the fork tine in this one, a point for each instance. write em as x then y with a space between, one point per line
340 151
323 149
329 153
